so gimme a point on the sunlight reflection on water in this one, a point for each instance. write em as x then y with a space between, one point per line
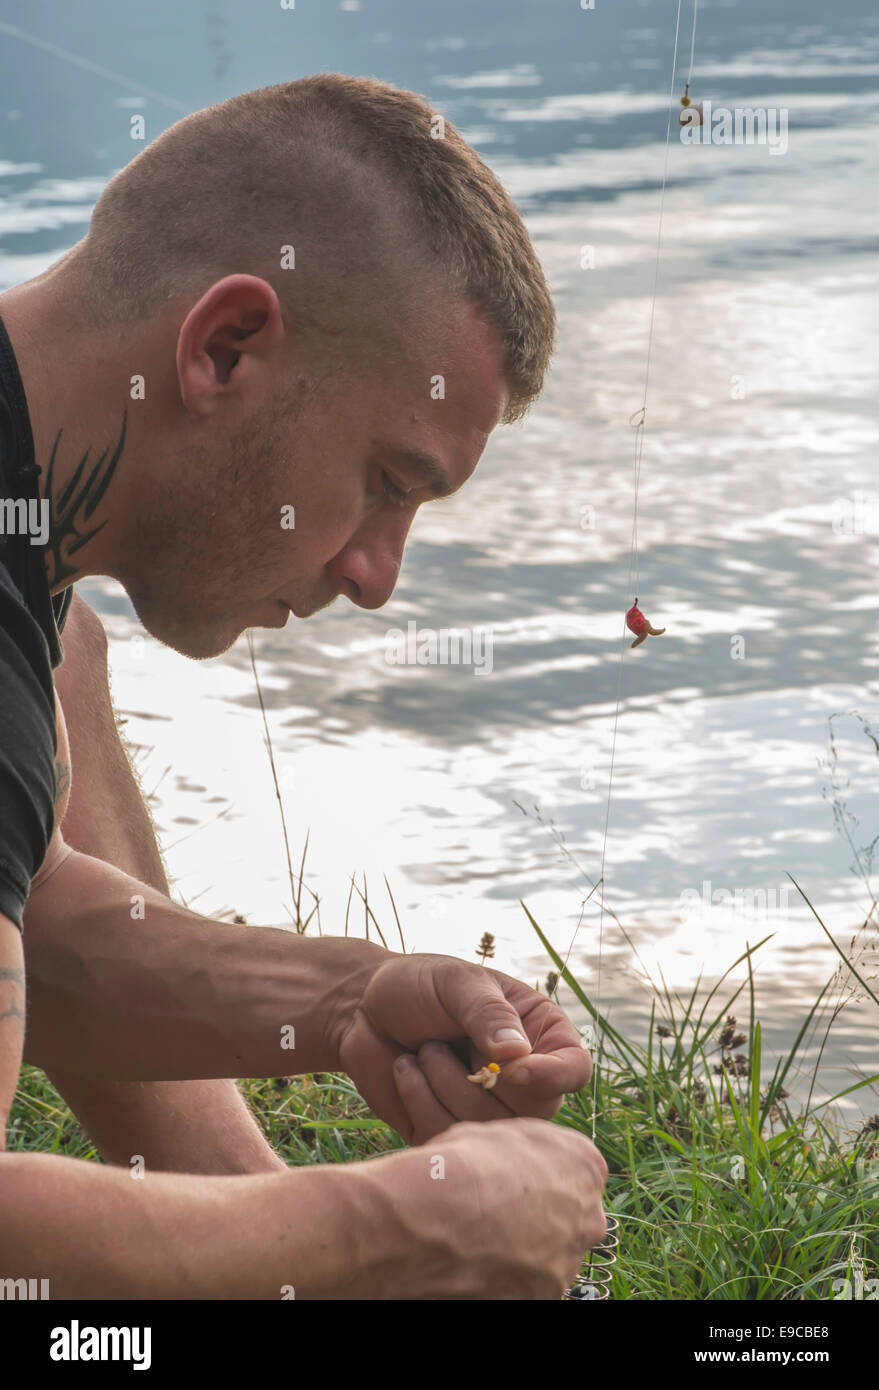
769 279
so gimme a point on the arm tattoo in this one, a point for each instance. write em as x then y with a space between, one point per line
75 505
16 976
62 780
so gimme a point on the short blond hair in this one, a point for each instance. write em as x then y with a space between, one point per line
387 207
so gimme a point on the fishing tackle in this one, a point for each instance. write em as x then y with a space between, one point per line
594 1282
692 113
637 623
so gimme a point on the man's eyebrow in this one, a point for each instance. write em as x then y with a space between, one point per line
427 466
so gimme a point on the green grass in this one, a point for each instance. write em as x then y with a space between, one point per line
306 1119
318 1119
722 1190
40 1120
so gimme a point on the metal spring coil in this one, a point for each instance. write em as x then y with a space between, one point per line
594 1283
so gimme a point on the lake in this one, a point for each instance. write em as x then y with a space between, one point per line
473 789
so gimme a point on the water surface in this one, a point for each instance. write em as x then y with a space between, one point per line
754 549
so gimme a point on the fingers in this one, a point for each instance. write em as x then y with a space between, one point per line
427 1115
447 1077
537 1085
436 1094
477 1003
369 1060
451 1010
559 1062
533 1087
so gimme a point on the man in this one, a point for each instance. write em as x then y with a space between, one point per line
316 297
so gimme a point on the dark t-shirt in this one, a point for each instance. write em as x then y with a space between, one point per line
30 649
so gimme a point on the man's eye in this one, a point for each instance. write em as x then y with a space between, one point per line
393 492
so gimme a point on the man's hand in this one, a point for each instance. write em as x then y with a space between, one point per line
518 1206
396 1046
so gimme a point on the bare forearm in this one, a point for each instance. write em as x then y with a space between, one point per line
98 1233
178 1126
171 995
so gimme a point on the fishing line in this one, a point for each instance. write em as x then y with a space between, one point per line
638 420
596 1280
693 42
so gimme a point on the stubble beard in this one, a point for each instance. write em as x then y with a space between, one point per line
200 571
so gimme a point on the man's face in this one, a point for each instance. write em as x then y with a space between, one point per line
354 468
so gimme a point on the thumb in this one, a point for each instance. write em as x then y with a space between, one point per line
478 1005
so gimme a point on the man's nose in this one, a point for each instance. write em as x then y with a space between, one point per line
366 570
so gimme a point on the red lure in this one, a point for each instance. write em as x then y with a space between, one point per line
637 623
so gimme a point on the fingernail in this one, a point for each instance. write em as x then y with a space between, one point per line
405 1062
509 1035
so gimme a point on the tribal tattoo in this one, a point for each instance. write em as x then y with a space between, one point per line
16 977
76 505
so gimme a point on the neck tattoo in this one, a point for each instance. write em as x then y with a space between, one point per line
75 506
